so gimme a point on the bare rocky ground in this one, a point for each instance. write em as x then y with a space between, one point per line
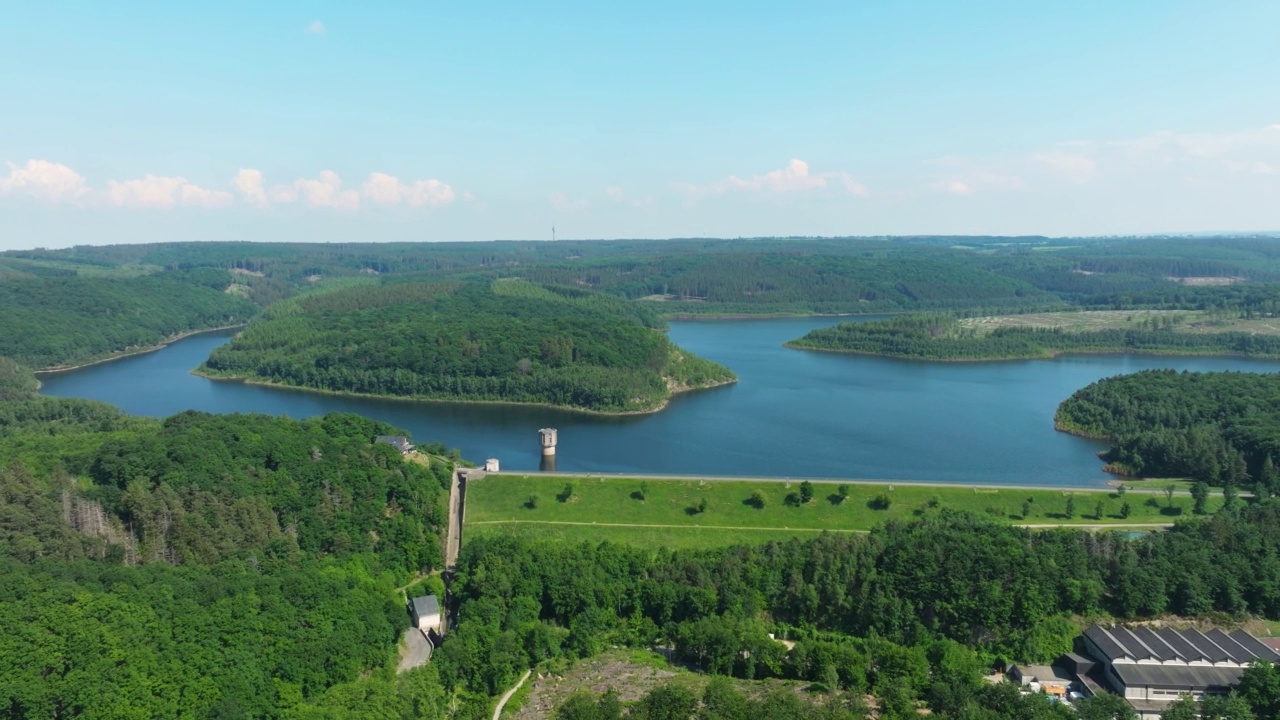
631 674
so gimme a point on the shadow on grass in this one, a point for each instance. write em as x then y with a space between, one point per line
835 499
637 495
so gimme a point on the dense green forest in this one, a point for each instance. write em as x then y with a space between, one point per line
749 275
1218 428
938 337
48 321
509 340
201 566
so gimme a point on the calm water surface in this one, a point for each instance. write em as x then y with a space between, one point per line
792 413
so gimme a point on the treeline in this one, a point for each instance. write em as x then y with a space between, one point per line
49 321
762 283
508 341
937 337
745 276
1219 428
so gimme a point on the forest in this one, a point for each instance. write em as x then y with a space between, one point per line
507 341
1217 428
751 276
941 337
51 321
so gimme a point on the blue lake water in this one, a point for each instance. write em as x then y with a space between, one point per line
793 413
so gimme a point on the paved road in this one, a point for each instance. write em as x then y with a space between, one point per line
503 702
453 540
1139 490
418 650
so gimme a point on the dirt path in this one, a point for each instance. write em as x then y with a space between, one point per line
503 702
1037 526
457 503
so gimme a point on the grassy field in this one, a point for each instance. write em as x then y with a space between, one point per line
666 512
1183 321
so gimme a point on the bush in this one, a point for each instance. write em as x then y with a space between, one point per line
880 502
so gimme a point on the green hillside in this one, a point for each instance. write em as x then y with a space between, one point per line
509 341
51 321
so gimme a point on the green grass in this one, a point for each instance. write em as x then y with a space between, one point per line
1188 321
610 509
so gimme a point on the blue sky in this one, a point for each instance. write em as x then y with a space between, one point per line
149 121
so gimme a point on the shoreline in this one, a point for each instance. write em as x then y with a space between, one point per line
1051 355
142 351
400 398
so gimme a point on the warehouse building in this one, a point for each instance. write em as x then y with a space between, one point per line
1152 667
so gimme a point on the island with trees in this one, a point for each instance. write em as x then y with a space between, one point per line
505 341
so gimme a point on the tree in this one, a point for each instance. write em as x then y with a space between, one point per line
644 489
1026 509
1260 688
531 502
702 506
566 494
1071 507
1200 495
880 502
843 492
1229 496
1267 477
806 492
1184 708
1121 489
1169 490
1105 706
1125 509
1231 707
756 500
1098 510
665 702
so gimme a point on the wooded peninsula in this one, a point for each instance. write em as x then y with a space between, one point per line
505 341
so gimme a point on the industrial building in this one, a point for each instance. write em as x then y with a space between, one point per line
1148 667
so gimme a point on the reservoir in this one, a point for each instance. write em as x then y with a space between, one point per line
792 414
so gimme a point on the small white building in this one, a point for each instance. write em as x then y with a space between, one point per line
425 610
491 465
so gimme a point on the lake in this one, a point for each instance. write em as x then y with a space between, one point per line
792 414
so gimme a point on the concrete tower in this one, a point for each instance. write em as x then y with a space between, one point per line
548 438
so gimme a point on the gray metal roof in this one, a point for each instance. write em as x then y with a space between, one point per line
1178 677
425 605
1169 645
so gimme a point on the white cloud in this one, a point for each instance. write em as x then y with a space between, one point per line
794 177
154 191
59 183
326 191
316 28
45 180
614 193
251 187
386 189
